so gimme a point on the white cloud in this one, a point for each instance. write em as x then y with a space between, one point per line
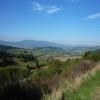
37 7
94 16
53 10
45 8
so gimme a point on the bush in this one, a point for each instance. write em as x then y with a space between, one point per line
21 92
55 67
95 56
6 58
11 75
47 84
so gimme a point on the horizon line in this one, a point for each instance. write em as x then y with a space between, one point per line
65 44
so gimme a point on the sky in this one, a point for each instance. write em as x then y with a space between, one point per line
71 22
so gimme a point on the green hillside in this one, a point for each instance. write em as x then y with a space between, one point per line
93 55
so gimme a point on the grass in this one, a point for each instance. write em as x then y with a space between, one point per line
11 75
86 90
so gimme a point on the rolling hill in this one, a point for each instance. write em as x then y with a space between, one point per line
44 45
50 51
45 51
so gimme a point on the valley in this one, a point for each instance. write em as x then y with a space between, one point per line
48 73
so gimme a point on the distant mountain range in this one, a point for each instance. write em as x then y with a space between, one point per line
41 46
30 44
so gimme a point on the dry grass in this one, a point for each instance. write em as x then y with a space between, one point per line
96 94
65 58
72 84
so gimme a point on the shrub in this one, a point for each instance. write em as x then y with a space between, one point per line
6 58
11 75
95 56
19 91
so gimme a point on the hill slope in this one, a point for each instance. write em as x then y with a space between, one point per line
50 51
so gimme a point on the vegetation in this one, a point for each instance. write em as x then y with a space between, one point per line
11 75
20 91
85 91
94 55
25 76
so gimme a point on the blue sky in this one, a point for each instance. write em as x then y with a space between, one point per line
62 21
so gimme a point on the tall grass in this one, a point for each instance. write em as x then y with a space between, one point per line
85 91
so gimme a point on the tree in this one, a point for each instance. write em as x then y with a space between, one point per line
86 55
